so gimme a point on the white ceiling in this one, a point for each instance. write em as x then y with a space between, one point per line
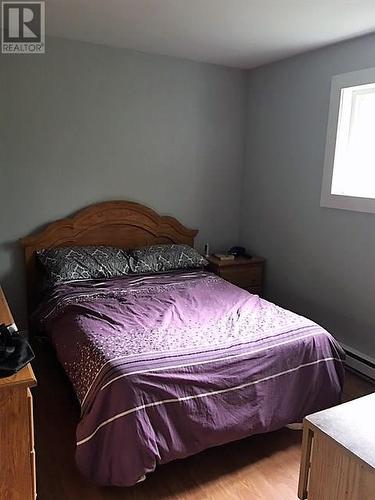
241 33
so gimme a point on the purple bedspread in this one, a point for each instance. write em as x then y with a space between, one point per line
167 365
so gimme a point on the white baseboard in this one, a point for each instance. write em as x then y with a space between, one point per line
360 362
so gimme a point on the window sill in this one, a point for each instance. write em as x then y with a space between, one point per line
348 203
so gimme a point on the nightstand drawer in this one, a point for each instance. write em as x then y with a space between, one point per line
247 273
243 276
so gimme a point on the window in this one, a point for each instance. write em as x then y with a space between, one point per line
349 170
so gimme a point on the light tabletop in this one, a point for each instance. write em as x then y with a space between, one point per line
352 425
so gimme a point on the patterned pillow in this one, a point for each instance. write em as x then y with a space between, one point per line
79 263
161 258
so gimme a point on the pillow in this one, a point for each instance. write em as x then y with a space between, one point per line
81 263
161 258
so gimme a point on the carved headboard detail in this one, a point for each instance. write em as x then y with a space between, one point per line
122 224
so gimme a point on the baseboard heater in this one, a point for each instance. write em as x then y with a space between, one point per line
359 362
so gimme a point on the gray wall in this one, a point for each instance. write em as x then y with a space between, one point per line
85 123
320 261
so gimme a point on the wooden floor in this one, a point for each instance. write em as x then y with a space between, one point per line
261 467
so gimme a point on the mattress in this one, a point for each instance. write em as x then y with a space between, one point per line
167 365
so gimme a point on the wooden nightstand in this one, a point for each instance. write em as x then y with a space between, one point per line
17 456
245 272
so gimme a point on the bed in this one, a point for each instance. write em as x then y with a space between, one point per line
166 365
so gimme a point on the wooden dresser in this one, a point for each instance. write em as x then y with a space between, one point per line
17 456
338 453
245 272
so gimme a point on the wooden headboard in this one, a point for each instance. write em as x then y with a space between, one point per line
122 224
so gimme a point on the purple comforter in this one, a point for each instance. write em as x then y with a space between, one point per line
167 365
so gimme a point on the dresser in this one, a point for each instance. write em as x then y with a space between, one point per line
17 455
245 272
338 453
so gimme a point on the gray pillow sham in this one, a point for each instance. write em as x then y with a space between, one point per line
79 263
161 258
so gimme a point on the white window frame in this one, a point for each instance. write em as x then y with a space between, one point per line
328 199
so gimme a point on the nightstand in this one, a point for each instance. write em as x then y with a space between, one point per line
17 457
245 272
